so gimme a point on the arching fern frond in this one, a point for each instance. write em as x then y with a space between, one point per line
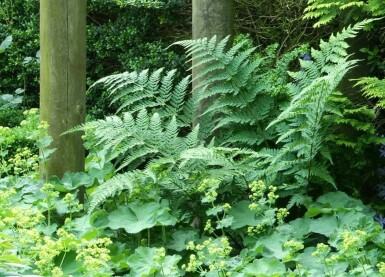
151 91
134 141
313 96
373 88
243 85
121 182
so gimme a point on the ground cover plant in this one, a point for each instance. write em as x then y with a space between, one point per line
254 189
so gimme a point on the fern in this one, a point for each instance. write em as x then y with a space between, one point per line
304 123
373 88
135 141
327 10
150 137
156 91
121 182
245 86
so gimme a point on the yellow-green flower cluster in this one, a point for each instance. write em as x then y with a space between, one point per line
282 213
94 254
209 227
211 253
352 241
46 251
271 196
258 190
72 203
48 189
209 187
24 161
255 230
322 251
381 268
293 246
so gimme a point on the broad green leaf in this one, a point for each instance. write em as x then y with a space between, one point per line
9 259
214 211
69 264
137 217
325 225
99 219
179 239
273 245
266 267
242 215
146 261
73 180
226 222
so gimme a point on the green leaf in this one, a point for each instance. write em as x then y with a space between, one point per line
179 239
266 267
325 225
146 261
214 211
242 215
73 180
137 217
99 219
273 245
68 262
226 222
6 43
44 142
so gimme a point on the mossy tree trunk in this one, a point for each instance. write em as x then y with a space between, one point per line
63 81
210 18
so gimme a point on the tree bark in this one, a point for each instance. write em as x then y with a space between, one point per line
63 81
210 18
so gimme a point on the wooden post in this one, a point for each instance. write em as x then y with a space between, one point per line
63 81
210 18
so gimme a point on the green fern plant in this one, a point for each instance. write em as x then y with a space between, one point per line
155 147
246 86
304 124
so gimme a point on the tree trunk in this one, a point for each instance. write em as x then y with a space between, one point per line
210 18
63 81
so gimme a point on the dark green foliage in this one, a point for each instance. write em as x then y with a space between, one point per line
11 117
118 39
17 69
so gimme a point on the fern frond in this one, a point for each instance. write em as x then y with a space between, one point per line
149 91
373 88
115 185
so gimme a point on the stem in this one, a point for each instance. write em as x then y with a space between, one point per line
148 237
62 260
164 239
